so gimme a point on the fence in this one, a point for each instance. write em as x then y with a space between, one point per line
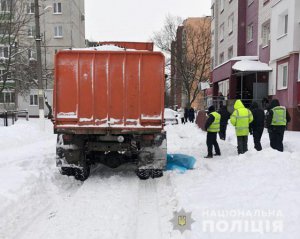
13 114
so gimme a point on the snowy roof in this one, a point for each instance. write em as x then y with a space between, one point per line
104 48
248 65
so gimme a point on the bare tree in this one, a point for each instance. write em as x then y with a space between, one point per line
16 68
190 53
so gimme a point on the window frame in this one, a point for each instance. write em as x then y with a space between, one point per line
265 35
30 8
56 31
250 36
230 20
222 30
282 76
56 8
33 100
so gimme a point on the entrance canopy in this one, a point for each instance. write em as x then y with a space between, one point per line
251 66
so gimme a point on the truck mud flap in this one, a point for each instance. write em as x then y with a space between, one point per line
152 160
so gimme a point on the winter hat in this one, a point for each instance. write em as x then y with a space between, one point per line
211 109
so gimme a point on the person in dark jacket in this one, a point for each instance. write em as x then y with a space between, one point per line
277 119
186 114
225 116
256 127
212 126
191 115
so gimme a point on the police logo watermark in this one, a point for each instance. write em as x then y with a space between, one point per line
182 221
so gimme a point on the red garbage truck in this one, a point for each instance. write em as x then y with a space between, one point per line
108 108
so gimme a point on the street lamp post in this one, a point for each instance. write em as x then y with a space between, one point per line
38 40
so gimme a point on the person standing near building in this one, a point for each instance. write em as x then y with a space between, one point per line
186 114
212 126
225 116
191 114
257 125
277 119
181 115
240 119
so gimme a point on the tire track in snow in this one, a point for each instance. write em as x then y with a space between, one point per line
103 207
148 220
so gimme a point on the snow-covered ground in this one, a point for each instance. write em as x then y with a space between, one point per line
256 195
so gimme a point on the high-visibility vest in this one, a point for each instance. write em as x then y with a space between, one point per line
279 116
215 126
243 117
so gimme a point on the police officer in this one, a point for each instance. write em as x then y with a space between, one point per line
276 121
240 119
212 126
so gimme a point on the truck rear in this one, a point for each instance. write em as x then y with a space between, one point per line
108 108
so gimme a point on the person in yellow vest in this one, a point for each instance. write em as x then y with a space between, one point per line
277 119
212 126
240 119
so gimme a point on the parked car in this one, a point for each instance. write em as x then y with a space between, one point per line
170 117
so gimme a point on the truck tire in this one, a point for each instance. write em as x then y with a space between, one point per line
82 173
67 171
143 174
157 173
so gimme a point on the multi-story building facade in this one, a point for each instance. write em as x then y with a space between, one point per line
262 48
62 26
284 82
188 53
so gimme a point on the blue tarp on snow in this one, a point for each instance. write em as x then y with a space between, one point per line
180 162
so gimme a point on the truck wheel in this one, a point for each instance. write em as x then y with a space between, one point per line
82 173
143 174
67 171
157 173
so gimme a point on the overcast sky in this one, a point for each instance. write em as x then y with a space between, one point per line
136 20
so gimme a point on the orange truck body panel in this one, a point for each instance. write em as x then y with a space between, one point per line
100 91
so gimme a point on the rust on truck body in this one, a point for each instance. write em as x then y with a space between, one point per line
147 46
100 91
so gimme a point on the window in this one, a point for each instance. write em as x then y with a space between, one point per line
3 74
4 6
250 33
213 11
222 32
221 60
265 34
30 8
230 52
31 31
230 24
283 22
7 97
57 8
33 100
283 76
221 5
286 22
212 38
58 31
4 51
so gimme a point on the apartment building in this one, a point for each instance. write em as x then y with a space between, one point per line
187 55
62 26
284 81
262 49
237 70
